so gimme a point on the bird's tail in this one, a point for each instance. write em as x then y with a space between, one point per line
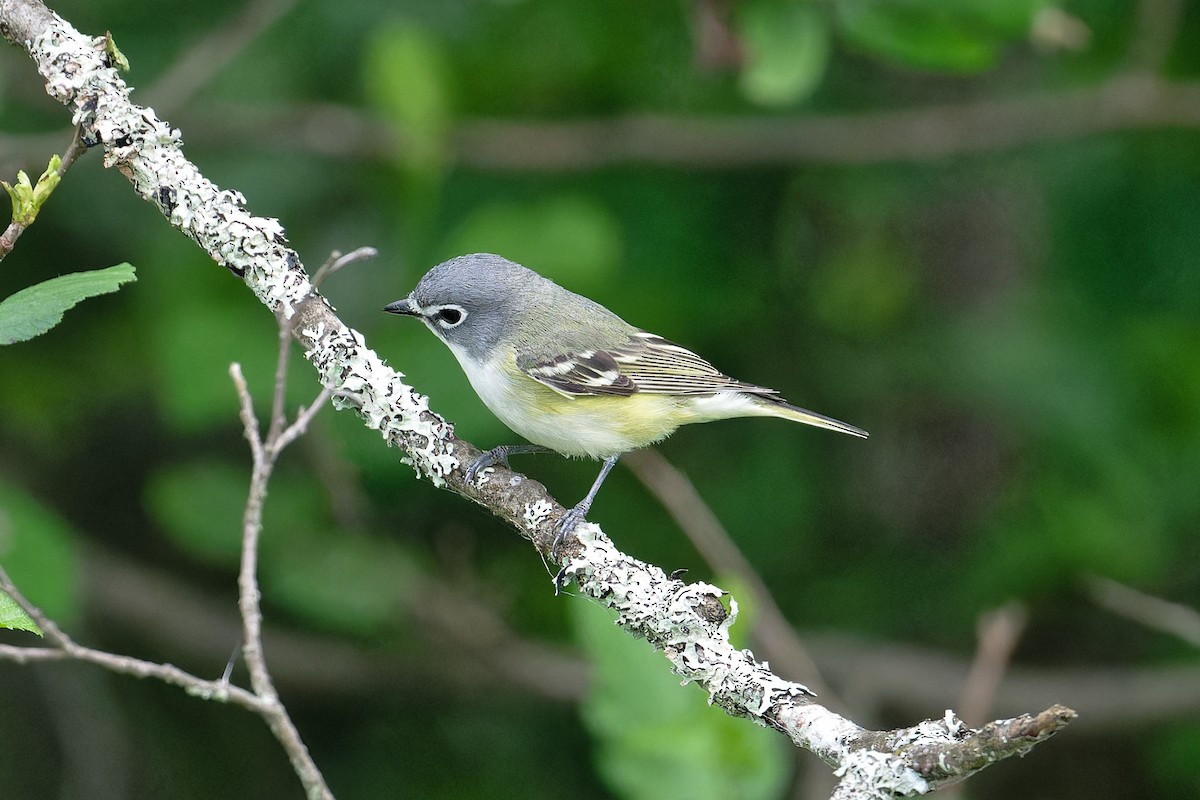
777 408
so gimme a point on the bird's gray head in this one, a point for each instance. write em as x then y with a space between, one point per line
471 300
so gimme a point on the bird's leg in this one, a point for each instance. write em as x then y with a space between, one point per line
499 455
576 515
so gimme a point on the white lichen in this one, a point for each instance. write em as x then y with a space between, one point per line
537 512
880 775
386 403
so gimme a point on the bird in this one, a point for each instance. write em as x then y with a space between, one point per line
569 375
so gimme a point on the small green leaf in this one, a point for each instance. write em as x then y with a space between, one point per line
21 196
115 56
787 44
33 311
27 199
13 617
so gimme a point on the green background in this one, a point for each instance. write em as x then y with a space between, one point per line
910 220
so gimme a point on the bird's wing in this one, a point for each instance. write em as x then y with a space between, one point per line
645 363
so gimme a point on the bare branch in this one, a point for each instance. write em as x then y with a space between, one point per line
207 57
299 426
1154 34
1153 612
1125 102
65 649
274 712
246 407
337 261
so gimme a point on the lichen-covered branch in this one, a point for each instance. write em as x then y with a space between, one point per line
688 623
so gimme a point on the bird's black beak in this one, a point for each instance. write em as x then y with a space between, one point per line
405 306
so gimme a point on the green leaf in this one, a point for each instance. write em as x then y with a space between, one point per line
787 44
338 580
407 80
199 505
37 550
656 738
13 617
963 36
33 311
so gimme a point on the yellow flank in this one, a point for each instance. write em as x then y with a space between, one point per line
596 425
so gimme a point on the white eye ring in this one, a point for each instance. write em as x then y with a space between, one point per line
448 316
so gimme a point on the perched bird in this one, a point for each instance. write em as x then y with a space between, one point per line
571 376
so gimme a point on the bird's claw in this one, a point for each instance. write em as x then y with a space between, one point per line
499 455
562 529
566 524
489 459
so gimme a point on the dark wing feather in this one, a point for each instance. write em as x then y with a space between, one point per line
645 363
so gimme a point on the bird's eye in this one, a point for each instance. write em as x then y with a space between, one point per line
450 316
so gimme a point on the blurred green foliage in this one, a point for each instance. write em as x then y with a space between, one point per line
654 740
1017 328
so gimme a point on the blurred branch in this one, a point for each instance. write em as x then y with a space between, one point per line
920 134
688 624
1154 34
1127 102
480 653
874 674
476 651
1153 612
999 632
207 57
698 522
1124 103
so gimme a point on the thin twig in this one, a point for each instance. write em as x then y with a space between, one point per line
999 631
1155 613
279 394
66 649
1154 34
248 593
263 457
337 260
208 56
304 416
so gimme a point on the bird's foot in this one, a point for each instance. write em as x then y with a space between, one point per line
566 524
562 529
489 459
499 455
